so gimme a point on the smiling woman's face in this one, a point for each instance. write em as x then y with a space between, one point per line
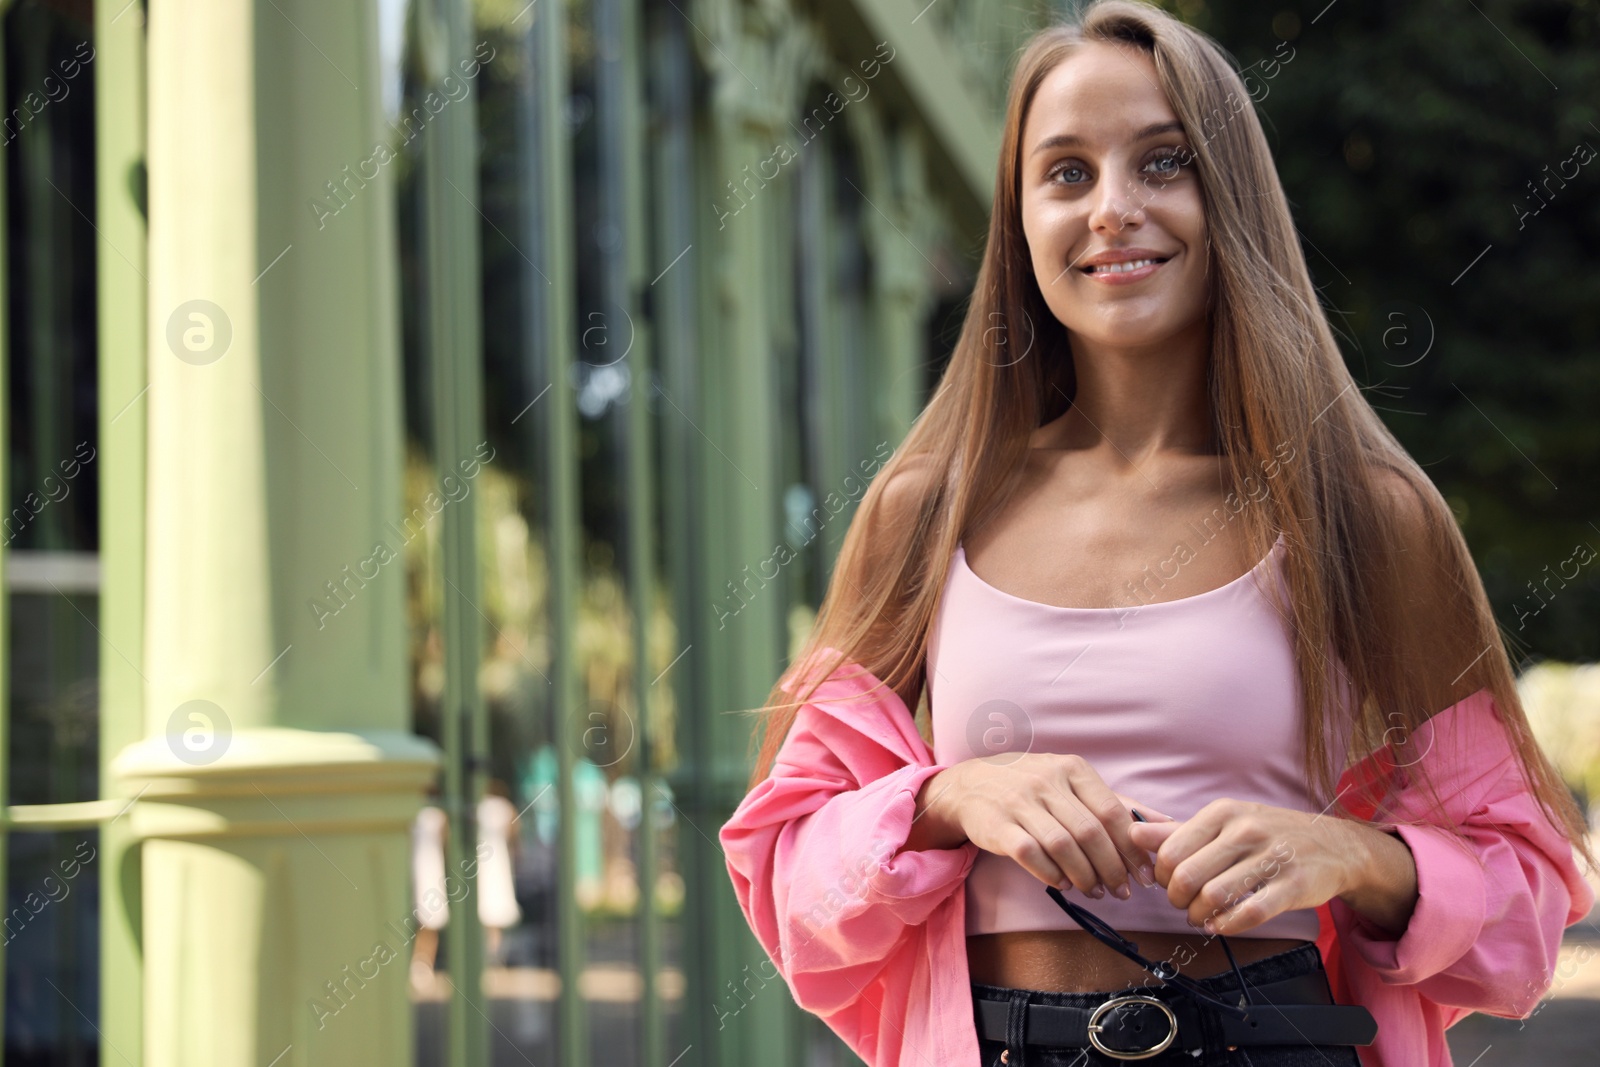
1103 172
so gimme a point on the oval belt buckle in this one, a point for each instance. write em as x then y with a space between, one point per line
1124 1054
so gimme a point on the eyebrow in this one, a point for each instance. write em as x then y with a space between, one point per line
1068 140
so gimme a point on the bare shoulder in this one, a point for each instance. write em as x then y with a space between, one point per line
899 501
1404 502
1423 530
912 483
890 512
1437 589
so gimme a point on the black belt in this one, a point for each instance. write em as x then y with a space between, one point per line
1292 1011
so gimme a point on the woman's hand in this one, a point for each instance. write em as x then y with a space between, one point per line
1050 812
1237 863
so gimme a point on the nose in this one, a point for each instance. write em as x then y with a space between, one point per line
1117 203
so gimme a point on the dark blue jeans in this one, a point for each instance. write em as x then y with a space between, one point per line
1304 959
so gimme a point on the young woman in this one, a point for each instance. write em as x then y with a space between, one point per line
1149 549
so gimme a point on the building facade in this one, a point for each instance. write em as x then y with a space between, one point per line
447 406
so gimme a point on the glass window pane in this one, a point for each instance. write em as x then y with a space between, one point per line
55 697
51 513
52 971
52 935
48 136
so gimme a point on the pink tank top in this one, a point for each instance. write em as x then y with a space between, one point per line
1175 703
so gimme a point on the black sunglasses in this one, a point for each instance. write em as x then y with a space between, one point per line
1163 970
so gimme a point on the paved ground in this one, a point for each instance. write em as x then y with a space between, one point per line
1564 1031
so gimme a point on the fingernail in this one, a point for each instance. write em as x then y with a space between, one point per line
1147 876
1210 927
1098 891
1123 891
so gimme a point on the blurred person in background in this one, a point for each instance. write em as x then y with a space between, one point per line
429 893
497 896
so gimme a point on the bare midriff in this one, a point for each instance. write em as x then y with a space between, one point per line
1075 961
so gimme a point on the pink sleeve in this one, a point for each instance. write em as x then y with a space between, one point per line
816 854
1491 906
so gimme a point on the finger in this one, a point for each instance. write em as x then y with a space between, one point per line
1190 836
1108 844
1151 836
1059 858
1150 814
1110 865
1247 910
1019 845
1197 882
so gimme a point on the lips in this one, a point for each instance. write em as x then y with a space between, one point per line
1124 266
1105 277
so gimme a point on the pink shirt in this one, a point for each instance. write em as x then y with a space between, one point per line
871 937
1176 703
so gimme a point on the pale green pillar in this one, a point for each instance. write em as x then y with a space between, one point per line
905 231
277 776
758 72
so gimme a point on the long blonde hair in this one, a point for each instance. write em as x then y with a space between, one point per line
1281 398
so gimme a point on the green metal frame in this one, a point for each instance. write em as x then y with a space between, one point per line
453 337
123 297
674 348
622 177
561 479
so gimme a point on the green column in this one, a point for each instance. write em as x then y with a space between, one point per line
904 230
276 778
757 75
452 343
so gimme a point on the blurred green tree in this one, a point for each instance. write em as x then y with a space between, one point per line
1442 160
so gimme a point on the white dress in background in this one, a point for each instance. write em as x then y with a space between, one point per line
497 896
427 868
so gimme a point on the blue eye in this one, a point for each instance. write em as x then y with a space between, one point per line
1061 168
1170 163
